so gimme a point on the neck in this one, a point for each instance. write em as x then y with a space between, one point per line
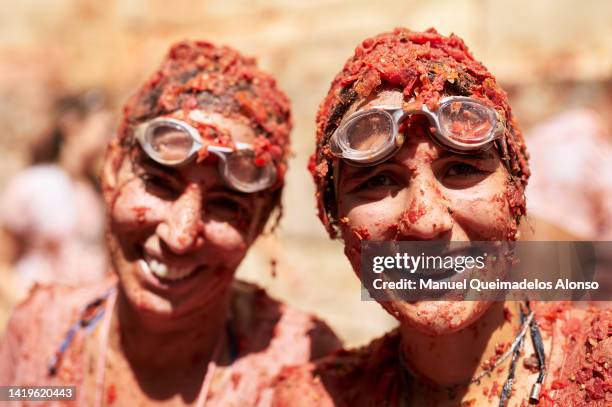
153 340
456 358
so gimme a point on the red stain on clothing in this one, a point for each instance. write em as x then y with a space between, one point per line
507 314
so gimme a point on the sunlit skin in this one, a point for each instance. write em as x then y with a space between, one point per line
184 217
180 216
424 192
444 353
171 325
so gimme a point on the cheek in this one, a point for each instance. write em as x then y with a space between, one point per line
224 237
231 240
370 221
377 219
133 208
483 210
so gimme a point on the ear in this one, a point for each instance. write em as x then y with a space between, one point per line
113 160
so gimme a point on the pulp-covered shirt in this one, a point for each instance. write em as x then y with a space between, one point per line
579 365
268 334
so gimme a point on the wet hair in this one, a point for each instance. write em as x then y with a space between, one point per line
426 66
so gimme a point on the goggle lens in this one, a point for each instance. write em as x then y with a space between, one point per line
170 143
466 122
245 175
369 132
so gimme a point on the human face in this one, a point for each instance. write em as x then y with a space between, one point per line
176 235
424 192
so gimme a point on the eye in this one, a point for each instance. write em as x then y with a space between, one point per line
161 186
378 181
462 169
462 175
225 208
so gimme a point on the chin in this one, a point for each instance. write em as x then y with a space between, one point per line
437 317
151 294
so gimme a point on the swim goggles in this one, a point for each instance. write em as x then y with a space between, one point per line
173 143
460 124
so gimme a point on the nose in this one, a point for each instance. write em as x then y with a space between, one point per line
183 226
428 216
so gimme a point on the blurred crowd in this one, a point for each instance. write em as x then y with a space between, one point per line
51 213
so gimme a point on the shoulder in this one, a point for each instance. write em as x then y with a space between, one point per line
344 378
267 335
300 386
582 364
37 326
299 335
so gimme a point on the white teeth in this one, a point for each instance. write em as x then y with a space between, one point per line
166 272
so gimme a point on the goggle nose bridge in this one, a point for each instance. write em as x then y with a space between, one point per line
398 115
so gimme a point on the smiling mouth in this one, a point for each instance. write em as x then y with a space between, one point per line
167 272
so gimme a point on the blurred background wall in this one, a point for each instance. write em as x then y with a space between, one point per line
550 55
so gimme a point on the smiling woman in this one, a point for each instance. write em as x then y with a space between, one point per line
417 141
189 182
